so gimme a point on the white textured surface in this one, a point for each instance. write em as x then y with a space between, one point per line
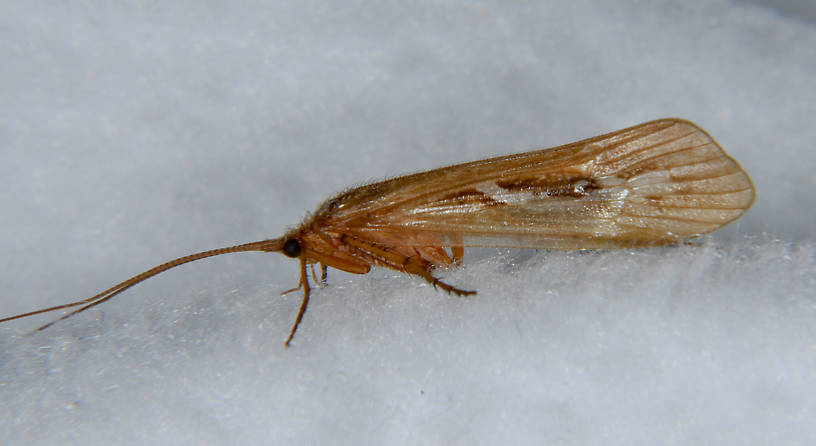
132 133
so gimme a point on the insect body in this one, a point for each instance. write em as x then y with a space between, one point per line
656 183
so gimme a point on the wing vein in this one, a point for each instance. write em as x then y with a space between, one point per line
647 148
665 217
662 155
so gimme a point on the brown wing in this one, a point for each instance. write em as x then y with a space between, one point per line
659 182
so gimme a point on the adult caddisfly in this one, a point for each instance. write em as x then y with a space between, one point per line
656 183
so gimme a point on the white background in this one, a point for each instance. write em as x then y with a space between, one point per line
135 132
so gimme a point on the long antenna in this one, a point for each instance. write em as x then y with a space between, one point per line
269 245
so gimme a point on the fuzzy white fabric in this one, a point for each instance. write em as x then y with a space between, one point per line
136 132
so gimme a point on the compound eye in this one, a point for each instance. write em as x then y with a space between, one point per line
291 248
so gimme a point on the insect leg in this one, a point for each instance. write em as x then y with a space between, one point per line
436 255
414 267
410 264
300 283
458 253
324 273
304 280
322 281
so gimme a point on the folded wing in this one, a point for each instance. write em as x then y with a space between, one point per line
659 182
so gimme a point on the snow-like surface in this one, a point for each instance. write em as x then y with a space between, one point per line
135 132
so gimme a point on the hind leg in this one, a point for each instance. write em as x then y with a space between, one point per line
417 267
